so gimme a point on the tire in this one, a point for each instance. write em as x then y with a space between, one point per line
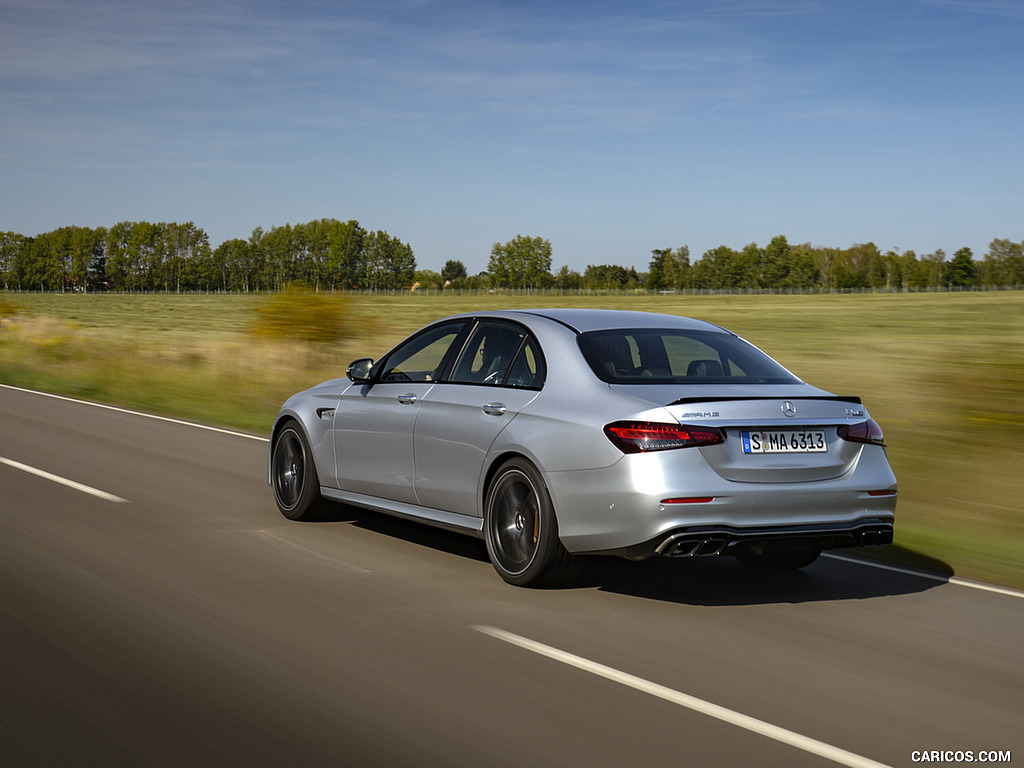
293 476
778 560
521 530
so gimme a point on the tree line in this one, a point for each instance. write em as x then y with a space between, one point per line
328 254
143 256
525 262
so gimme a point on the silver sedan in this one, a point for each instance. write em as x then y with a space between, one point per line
555 433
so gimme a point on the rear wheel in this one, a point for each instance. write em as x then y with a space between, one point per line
293 476
775 560
521 530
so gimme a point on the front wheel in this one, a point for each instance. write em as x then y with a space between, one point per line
293 476
521 530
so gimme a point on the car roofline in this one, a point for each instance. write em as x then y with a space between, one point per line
584 320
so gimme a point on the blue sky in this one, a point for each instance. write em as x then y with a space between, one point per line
609 128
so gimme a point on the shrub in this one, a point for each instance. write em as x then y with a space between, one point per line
9 309
299 314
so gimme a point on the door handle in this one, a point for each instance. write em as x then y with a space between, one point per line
407 399
493 409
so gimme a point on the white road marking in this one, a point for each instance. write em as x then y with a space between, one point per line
923 574
153 416
63 481
746 722
932 576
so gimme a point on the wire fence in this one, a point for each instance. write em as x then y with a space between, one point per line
568 292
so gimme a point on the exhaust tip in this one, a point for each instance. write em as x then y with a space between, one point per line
686 548
709 547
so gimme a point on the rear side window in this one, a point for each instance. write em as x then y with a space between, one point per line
499 353
656 356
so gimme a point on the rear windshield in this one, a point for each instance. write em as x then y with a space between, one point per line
657 356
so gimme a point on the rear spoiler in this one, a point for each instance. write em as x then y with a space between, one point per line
835 398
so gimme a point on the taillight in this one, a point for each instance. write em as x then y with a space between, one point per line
646 436
862 432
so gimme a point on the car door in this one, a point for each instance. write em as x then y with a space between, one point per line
373 427
499 371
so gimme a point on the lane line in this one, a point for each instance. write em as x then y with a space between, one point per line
63 481
153 416
955 580
932 576
746 722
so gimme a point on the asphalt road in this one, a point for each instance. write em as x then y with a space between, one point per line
179 620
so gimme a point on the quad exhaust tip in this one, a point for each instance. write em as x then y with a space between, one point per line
709 544
678 546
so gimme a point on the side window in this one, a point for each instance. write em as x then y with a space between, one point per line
528 367
488 354
422 357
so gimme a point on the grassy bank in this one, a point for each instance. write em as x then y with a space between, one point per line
942 373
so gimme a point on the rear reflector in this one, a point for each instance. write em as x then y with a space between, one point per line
881 493
693 500
646 436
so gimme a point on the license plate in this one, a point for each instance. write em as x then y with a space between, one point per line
808 441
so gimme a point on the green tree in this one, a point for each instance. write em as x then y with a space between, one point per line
389 264
961 271
656 270
453 273
13 252
427 280
523 262
183 257
720 268
900 270
669 270
1004 264
89 258
279 253
132 251
43 268
930 272
826 265
68 258
234 266
345 253
676 268
567 279
610 277
776 264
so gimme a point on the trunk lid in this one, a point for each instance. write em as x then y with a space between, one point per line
774 434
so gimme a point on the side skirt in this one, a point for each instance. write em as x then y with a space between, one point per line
440 518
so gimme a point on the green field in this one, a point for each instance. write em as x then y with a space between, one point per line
942 373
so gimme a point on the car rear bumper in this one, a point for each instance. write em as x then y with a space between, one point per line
703 541
644 501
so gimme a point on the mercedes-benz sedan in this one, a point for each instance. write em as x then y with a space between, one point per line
555 433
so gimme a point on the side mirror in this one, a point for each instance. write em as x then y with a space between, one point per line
359 370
